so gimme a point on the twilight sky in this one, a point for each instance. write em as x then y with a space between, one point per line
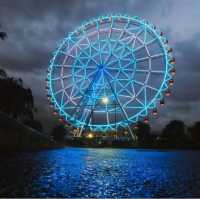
35 27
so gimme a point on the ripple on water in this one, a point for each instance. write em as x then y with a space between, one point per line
76 172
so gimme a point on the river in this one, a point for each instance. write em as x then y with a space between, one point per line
105 173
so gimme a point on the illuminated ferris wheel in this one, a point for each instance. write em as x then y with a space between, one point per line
110 72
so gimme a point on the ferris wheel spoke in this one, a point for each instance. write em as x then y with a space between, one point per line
138 48
122 95
142 71
124 30
122 69
157 55
91 73
67 54
128 102
66 76
149 71
67 102
108 57
62 52
136 36
76 97
85 67
131 87
71 85
86 45
127 91
150 42
111 26
129 75
92 58
112 61
56 78
78 66
58 91
138 82
98 36
139 101
61 65
152 88
142 59
158 71
110 75
149 57
71 92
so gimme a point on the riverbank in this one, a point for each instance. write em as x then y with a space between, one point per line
17 137
130 147
99 142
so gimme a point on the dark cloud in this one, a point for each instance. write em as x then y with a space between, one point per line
188 70
35 27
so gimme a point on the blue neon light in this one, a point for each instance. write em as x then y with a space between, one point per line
121 58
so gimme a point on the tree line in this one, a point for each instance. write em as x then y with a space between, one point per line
17 101
174 135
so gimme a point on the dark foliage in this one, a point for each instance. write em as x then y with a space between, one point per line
174 134
15 100
194 132
3 74
35 124
59 133
3 35
143 133
174 128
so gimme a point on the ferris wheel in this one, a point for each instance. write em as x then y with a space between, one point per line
110 72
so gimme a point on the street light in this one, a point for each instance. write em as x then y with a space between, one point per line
90 135
105 100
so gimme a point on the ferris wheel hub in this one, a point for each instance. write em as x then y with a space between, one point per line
101 66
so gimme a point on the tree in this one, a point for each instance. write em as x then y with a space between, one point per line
59 133
174 133
3 73
194 132
3 35
142 132
15 100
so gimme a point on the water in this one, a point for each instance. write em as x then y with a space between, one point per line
77 172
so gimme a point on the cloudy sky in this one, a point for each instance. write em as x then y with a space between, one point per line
35 27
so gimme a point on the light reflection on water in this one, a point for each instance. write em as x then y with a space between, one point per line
77 172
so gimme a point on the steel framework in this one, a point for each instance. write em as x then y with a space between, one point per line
113 59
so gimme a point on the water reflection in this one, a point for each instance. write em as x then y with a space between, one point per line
76 172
